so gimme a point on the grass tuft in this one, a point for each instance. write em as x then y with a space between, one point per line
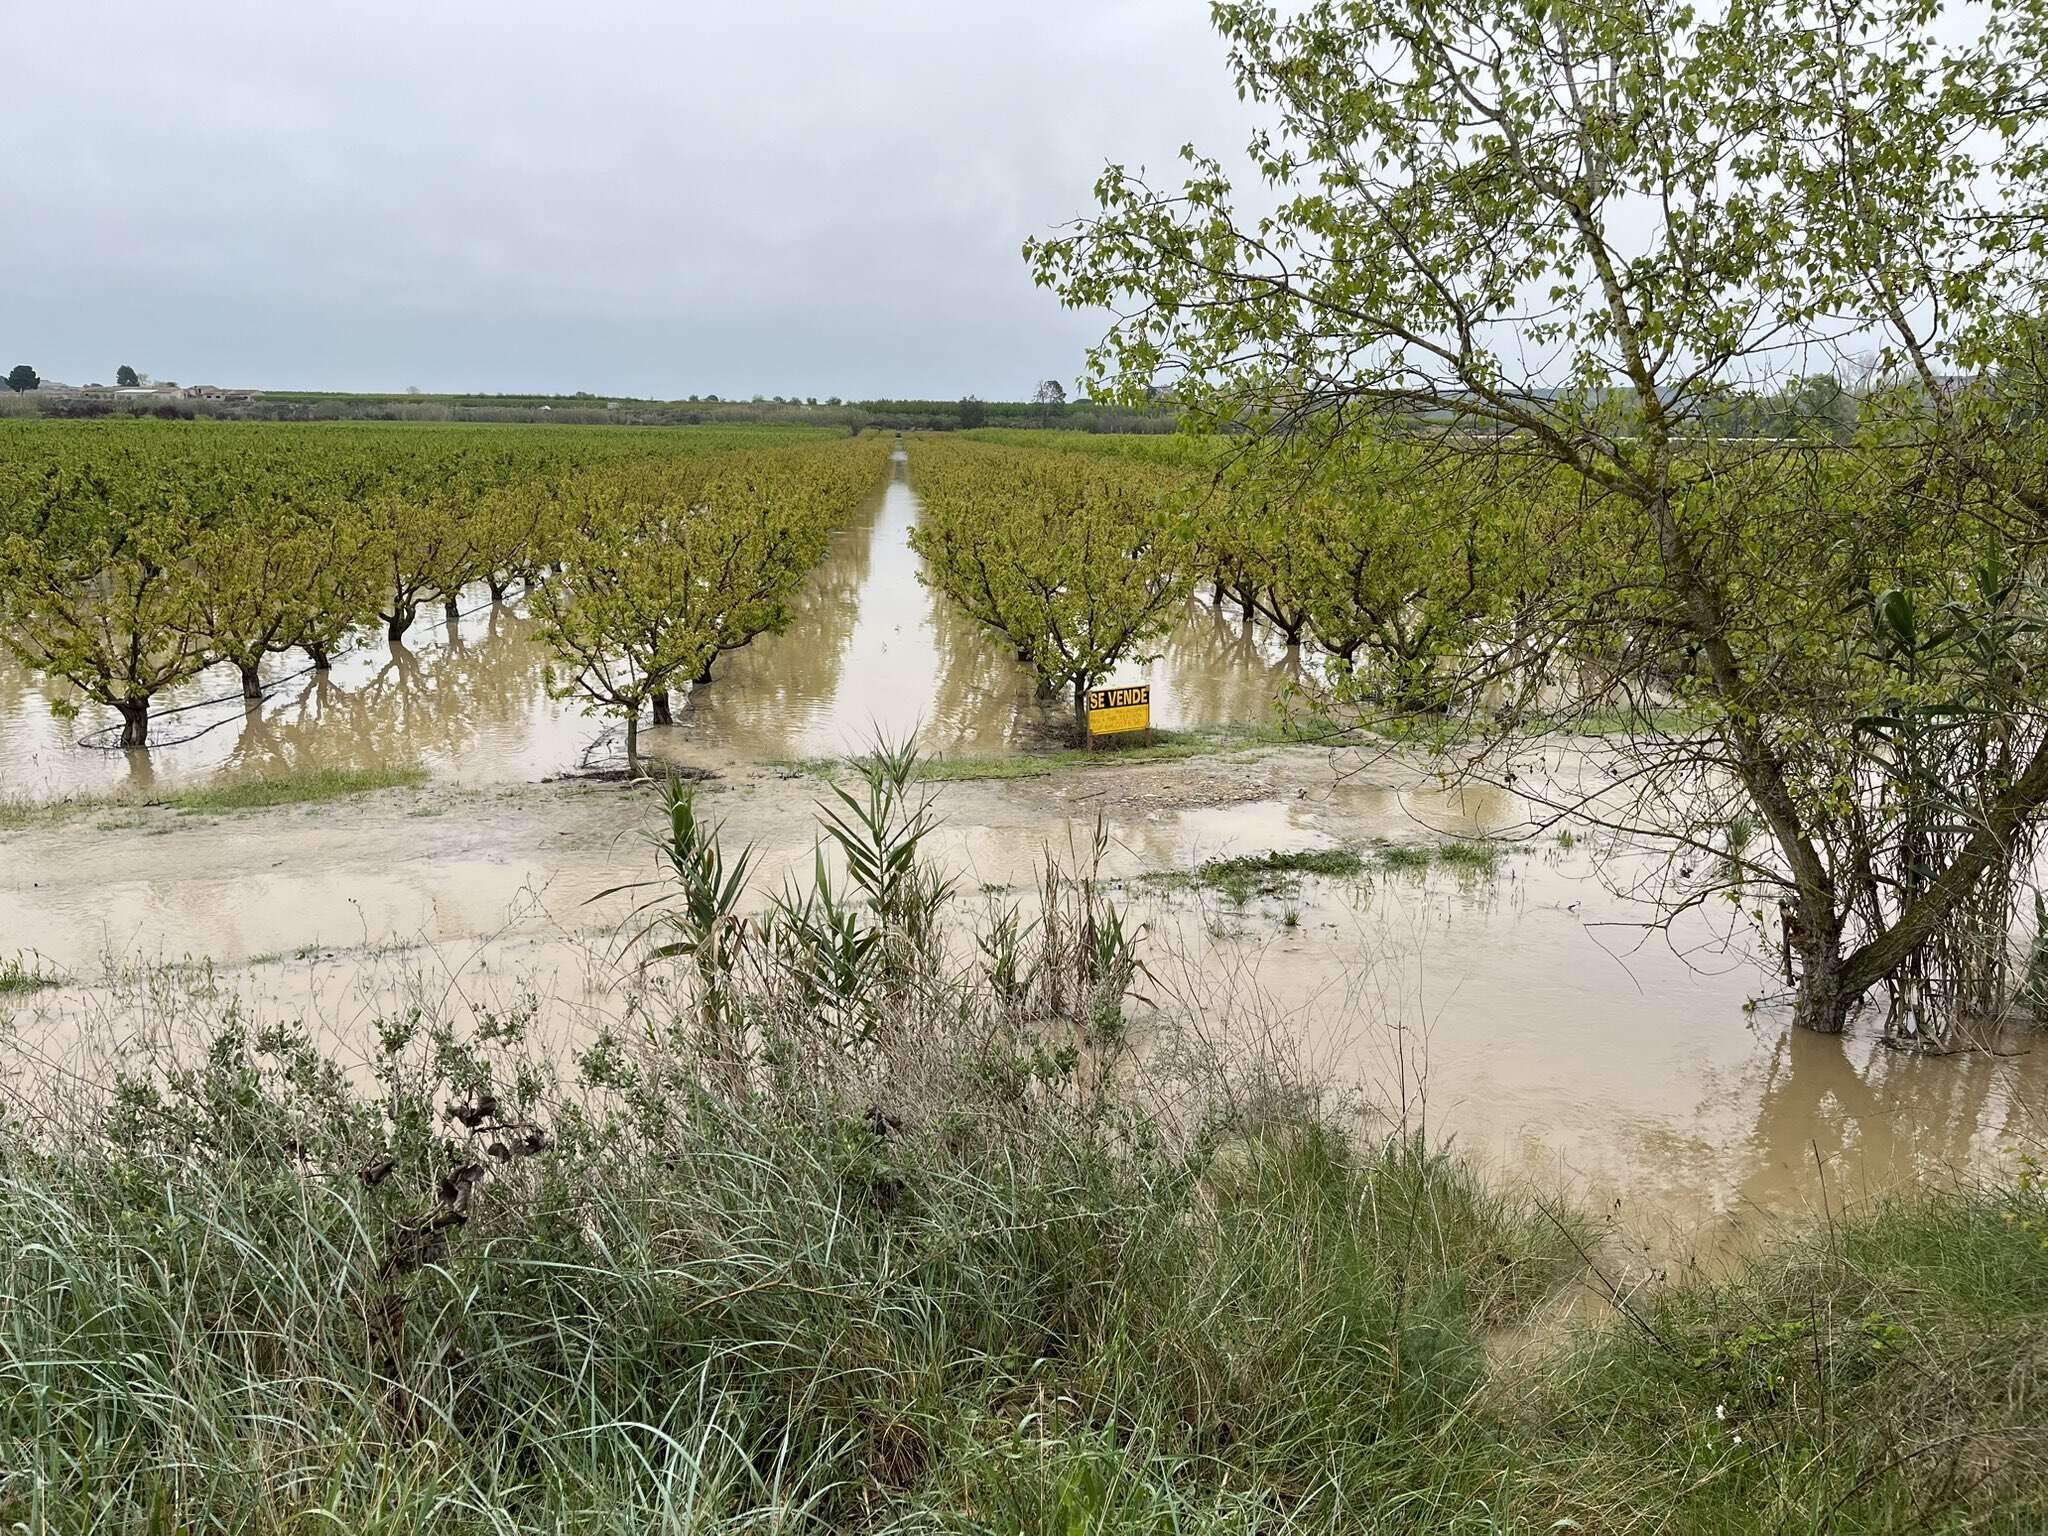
20 974
1275 873
1468 858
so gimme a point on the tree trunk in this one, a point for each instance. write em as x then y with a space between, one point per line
252 680
498 589
662 716
322 662
451 609
134 722
1823 999
633 744
400 620
703 677
1081 709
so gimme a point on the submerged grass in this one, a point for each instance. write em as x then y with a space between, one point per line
1279 873
297 787
1467 857
1273 873
21 974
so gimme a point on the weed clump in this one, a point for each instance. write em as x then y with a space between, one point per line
1469 859
24 973
1244 876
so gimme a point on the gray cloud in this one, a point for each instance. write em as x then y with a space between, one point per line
784 197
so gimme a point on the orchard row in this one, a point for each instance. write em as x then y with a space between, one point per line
134 556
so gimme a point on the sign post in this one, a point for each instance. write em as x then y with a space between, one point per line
1119 711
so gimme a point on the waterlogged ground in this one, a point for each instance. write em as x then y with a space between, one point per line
1521 1010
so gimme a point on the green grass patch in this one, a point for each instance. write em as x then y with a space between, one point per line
944 1315
1463 856
303 787
300 788
1669 721
1241 877
953 1318
1883 1372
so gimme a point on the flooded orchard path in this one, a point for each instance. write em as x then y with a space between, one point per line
871 650
868 648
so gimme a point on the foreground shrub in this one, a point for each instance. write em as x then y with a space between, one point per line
263 1287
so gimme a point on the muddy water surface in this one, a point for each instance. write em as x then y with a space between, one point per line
1519 1011
869 649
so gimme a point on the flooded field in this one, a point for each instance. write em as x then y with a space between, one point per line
1519 1009
869 649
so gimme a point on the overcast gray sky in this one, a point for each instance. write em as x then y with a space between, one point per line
777 197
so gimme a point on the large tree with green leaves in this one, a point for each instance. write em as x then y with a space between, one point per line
1570 237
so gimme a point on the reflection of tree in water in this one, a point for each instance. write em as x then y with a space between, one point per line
416 704
1222 669
16 684
27 719
1899 1115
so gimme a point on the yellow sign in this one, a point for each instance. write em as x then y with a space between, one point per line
1113 711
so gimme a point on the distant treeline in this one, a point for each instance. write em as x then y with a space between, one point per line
589 410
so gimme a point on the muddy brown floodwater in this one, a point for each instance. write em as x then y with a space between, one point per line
869 649
1518 1012
1522 1013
